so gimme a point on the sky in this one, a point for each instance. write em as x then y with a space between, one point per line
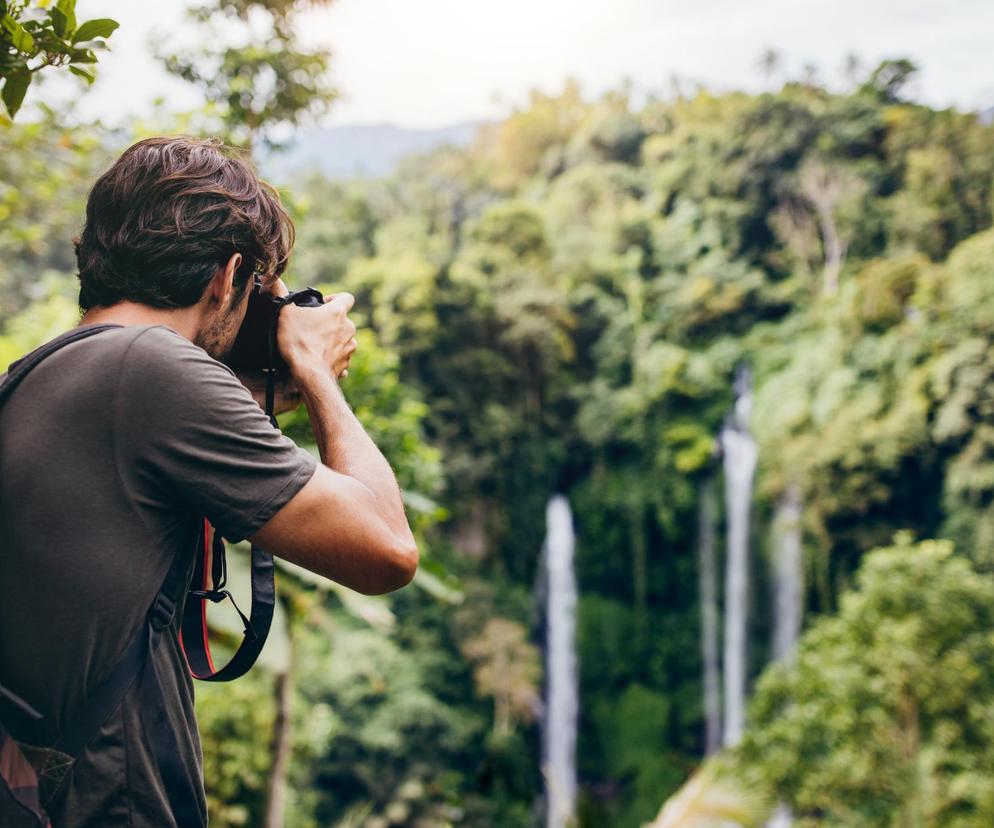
431 63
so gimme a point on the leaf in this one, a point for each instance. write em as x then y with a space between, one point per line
437 588
19 38
101 27
93 44
59 22
83 73
372 609
708 799
68 8
14 90
82 56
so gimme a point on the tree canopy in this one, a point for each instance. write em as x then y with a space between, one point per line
562 306
41 33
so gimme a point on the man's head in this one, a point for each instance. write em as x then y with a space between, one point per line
181 221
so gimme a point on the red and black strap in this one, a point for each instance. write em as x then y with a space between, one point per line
210 556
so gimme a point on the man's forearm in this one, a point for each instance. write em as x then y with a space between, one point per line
345 446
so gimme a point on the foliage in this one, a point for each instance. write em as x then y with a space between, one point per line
236 722
507 669
255 83
572 296
562 306
45 172
713 798
885 718
35 35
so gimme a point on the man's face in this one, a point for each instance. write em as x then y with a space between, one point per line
219 335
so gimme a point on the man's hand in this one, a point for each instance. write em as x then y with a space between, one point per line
308 339
348 522
320 339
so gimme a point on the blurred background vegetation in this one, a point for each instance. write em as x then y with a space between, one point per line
561 305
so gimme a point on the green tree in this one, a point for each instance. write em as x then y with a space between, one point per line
507 669
889 80
39 34
45 171
255 84
885 717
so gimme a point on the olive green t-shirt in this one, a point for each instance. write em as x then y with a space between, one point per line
111 450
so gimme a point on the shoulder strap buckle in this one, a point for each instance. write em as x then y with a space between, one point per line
163 611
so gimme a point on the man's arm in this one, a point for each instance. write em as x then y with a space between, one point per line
348 522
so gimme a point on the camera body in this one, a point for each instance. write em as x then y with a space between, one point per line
255 346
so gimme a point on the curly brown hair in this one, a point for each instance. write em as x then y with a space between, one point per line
167 214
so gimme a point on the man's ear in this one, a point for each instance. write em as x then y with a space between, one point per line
222 284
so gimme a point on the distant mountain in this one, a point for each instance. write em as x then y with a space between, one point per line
987 116
361 151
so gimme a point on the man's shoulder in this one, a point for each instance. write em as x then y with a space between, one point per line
138 354
147 342
157 351
165 375
150 340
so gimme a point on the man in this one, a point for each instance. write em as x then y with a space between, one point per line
114 447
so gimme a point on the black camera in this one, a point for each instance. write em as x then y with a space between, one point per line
255 346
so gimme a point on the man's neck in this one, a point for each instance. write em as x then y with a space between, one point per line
185 321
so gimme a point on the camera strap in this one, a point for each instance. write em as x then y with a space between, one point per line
210 568
210 580
211 556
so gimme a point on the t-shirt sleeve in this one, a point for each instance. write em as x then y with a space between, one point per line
193 434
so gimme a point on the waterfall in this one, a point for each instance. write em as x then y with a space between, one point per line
788 574
788 596
782 818
561 702
708 589
740 454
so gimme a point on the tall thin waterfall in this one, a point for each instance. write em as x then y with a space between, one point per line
788 596
740 453
561 701
788 574
707 573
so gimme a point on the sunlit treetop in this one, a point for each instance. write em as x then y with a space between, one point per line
254 82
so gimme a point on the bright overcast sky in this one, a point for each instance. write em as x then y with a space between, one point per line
426 63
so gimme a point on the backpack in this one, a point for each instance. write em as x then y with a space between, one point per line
34 762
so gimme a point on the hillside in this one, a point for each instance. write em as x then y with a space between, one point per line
359 151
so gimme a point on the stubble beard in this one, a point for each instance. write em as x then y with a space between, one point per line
219 336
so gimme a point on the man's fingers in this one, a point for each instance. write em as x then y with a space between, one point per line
350 349
345 300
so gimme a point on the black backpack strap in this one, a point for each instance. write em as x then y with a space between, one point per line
17 712
136 662
19 369
184 794
106 698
